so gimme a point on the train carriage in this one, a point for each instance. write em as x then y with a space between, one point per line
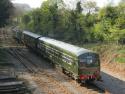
80 63
30 39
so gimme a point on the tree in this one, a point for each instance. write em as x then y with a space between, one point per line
54 16
78 7
80 25
26 19
6 9
120 21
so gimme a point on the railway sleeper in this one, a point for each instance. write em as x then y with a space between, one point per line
11 87
7 79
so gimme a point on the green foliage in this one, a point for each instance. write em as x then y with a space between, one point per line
120 53
120 60
26 19
85 24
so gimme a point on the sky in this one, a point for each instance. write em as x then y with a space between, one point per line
37 3
32 3
102 3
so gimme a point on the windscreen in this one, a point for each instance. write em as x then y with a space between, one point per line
89 60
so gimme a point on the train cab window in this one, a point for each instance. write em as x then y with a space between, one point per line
89 60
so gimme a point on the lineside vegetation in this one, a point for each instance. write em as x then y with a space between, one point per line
86 23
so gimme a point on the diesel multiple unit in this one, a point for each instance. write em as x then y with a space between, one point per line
79 63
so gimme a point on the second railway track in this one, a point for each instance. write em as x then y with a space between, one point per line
22 60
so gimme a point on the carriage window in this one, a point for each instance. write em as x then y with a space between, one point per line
68 60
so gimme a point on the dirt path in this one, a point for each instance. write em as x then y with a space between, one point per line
115 85
114 74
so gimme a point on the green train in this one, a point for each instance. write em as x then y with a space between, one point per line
81 64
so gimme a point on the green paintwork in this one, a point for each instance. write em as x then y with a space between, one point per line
61 57
57 56
30 41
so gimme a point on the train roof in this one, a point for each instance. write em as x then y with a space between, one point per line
68 47
31 34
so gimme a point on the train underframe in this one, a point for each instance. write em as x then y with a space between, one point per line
83 78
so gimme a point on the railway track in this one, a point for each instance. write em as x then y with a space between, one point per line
94 86
31 63
101 86
12 88
31 67
16 55
50 82
11 85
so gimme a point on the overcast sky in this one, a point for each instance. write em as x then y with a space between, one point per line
37 3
